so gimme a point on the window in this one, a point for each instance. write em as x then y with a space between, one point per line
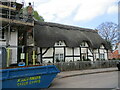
59 57
59 43
84 56
102 46
83 44
102 56
56 56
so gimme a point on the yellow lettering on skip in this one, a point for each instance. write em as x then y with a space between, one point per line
28 80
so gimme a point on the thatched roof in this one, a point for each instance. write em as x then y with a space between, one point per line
46 34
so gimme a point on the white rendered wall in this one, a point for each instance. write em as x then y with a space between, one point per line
68 59
59 50
77 51
96 55
14 42
83 50
2 43
103 51
49 52
90 55
69 53
46 60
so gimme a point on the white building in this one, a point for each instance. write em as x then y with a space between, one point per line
64 43
12 26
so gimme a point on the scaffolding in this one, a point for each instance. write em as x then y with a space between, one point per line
11 12
11 15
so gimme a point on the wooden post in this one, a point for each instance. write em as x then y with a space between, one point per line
53 54
73 53
80 54
107 55
99 57
93 56
64 53
26 59
33 57
87 52
99 54
8 56
41 55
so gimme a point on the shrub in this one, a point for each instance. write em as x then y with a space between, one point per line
97 59
49 62
87 59
57 60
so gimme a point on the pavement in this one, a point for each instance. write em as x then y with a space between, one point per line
84 72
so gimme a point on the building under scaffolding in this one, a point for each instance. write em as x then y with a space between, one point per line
15 31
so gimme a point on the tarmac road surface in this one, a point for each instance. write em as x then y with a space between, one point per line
98 80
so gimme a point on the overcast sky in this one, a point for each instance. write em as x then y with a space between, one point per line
82 13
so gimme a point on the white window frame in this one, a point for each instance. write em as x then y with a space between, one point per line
102 56
59 56
59 43
84 44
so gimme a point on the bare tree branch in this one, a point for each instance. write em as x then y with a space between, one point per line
109 31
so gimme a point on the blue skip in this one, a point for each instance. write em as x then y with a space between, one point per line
28 77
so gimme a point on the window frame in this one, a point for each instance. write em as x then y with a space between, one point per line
59 56
102 56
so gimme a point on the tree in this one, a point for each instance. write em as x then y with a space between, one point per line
38 17
109 31
35 13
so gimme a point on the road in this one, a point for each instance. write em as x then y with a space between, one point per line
99 80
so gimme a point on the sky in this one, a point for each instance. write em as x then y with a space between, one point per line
81 13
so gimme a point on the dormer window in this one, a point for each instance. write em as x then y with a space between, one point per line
59 43
83 44
102 46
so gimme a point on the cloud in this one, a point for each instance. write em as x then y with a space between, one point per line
91 8
112 9
57 10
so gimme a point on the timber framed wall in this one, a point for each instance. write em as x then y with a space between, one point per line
71 54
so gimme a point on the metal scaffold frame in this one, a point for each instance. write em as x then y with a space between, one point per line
24 54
